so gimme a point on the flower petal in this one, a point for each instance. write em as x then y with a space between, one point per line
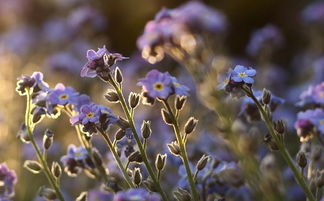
248 80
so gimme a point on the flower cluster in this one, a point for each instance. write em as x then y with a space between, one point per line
8 181
314 95
310 123
161 85
76 159
177 28
92 117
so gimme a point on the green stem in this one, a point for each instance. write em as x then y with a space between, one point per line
41 159
284 152
116 157
183 152
137 139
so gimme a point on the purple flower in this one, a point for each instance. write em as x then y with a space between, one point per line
139 194
314 13
97 63
243 74
34 82
309 122
76 159
8 180
266 37
313 95
88 113
157 84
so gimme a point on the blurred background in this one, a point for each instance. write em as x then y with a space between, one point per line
53 36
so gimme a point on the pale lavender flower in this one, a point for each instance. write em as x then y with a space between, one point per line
8 180
313 95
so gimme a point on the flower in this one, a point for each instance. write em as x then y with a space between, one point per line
35 81
157 84
308 123
8 180
138 194
314 13
226 80
243 74
161 85
76 159
99 61
266 37
313 95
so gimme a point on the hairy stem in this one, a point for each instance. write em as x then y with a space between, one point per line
40 157
183 152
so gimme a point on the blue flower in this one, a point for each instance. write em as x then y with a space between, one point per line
179 89
157 84
8 180
76 159
139 194
226 80
243 74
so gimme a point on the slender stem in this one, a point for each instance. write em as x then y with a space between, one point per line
137 139
40 157
116 156
284 152
195 175
183 152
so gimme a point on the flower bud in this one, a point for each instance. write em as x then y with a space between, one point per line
180 102
202 162
133 100
174 148
38 113
82 197
301 159
118 75
166 117
23 134
123 123
33 166
137 177
48 139
190 125
160 161
112 96
266 96
146 129
56 169
280 126
47 193
135 157
120 134
270 142
182 195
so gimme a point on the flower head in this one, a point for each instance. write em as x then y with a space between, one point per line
35 82
99 61
243 74
138 194
314 95
75 160
308 123
8 180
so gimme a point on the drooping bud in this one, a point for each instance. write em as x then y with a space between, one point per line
82 197
160 161
137 177
133 99
135 157
166 117
120 134
301 159
33 166
266 96
174 148
180 102
56 169
118 75
47 193
190 125
202 162
280 126
48 139
112 96
146 129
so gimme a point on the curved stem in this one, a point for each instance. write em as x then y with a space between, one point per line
183 152
39 155
284 152
116 157
137 139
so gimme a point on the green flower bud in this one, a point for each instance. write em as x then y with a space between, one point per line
33 166
112 96
146 129
190 125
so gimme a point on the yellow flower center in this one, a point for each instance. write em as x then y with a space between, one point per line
90 115
226 81
78 154
158 86
242 74
176 84
64 96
